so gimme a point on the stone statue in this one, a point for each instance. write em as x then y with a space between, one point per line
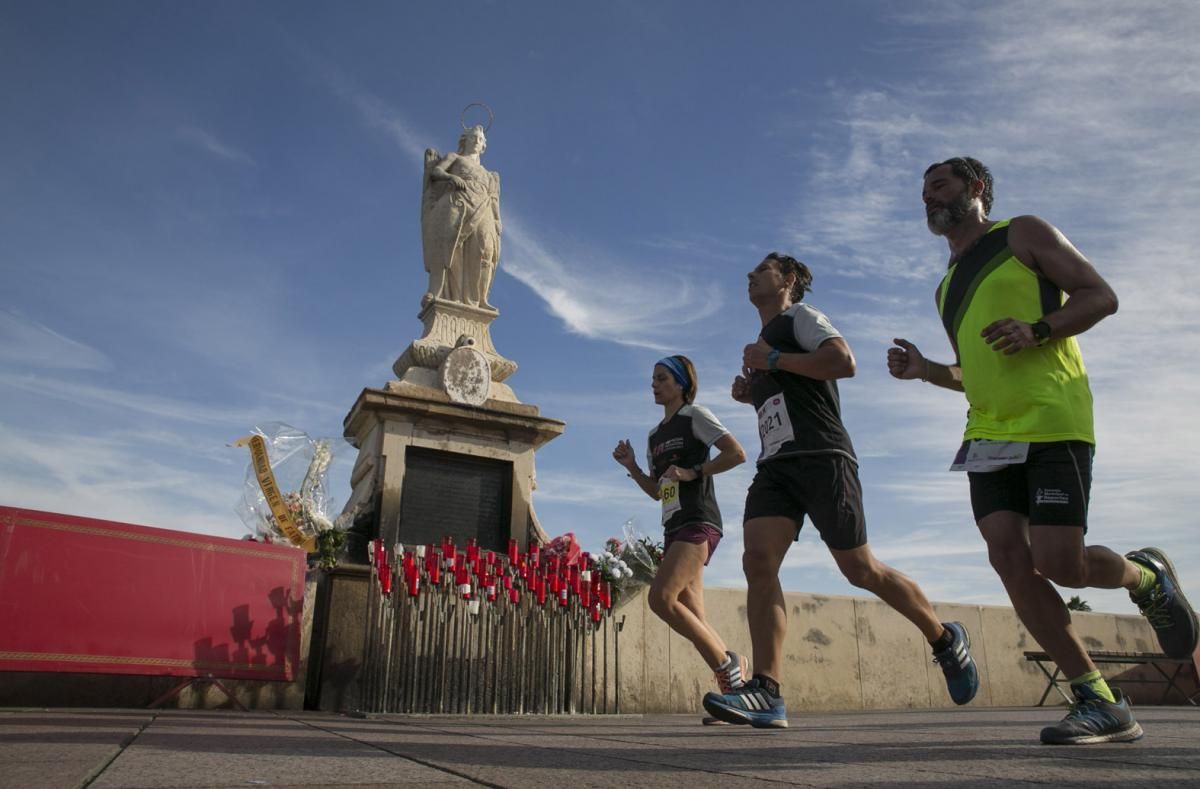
454 357
460 223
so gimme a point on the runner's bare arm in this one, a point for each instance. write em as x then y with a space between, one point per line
624 455
906 362
730 454
1043 248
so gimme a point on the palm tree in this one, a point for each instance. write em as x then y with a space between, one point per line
1078 604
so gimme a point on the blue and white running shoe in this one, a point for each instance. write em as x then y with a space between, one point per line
751 703
962 677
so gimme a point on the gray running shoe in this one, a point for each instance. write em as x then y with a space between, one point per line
734 676
1092 719
1164 606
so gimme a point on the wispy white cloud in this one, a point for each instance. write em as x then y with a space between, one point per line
702 245
614 490
602 409
603 299
27 343
92 395
112 476
380 116
209 143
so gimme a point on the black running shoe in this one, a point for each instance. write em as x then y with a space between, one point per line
1164 606
1093 719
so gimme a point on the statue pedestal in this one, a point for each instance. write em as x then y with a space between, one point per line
447 323
428 467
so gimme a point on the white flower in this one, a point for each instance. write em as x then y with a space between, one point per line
628 573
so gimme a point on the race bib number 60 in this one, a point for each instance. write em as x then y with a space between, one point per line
668 491
774 426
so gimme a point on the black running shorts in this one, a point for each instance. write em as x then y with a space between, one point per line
1051 487
824 487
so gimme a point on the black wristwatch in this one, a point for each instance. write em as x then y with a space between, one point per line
1041 331
696 468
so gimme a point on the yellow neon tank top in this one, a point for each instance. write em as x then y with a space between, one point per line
1037 394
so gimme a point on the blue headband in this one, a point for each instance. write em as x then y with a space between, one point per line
673 364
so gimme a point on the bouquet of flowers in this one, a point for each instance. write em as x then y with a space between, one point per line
629 563
285 496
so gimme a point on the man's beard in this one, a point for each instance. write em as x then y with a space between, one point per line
940 220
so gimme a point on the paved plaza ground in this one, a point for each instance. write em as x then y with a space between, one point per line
107 749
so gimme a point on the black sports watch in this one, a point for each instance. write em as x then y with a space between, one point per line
1041 331
696 468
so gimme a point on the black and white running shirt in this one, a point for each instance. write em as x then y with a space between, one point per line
684 441
798 415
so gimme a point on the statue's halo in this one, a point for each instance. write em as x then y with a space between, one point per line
463 118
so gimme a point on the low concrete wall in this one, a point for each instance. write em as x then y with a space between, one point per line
851 653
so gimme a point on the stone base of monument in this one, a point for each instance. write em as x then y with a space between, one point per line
427 467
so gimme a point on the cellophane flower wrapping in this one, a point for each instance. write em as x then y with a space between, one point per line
300 466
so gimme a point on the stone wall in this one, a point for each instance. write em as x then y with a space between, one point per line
851 653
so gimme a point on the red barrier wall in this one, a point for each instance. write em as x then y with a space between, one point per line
84 595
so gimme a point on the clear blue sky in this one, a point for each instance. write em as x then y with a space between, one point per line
209 219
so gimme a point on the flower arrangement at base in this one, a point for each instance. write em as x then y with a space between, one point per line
329 540
630 563
281 505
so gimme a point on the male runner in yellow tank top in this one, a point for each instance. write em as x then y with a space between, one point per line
1029 441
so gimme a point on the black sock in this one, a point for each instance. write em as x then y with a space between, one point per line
945 641
768 684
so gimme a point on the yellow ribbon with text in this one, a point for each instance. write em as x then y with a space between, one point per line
266 481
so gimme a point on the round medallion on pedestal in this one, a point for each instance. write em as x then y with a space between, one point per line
466 376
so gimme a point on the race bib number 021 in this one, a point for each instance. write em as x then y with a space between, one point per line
668 492
774 426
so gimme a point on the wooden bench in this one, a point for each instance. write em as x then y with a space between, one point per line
1158 661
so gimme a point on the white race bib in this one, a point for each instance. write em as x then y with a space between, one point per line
985 455
668 492
774 426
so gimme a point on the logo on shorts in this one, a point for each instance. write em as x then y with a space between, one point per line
775 401
1051 496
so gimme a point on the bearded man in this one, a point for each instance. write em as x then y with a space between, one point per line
1015 295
